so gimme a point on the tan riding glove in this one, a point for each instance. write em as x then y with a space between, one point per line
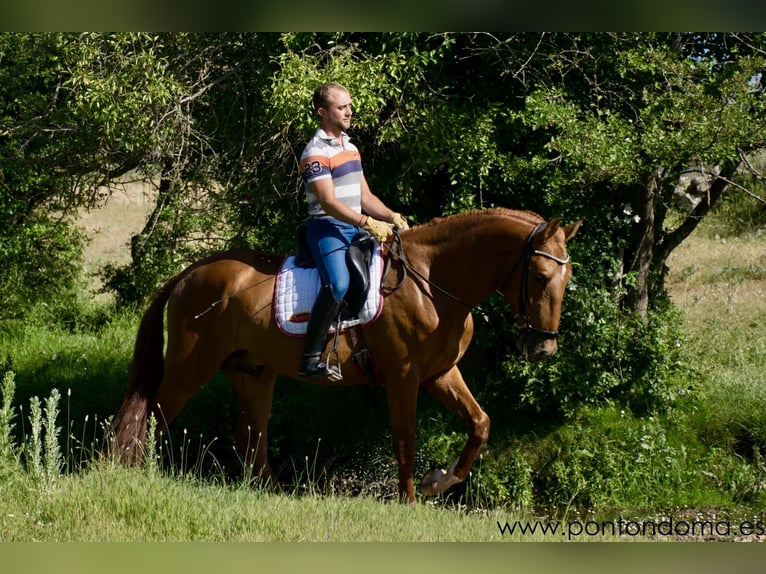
380 230
399 222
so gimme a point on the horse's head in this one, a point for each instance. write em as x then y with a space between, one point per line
535 289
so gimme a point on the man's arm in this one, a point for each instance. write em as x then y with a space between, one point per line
324 189
373 206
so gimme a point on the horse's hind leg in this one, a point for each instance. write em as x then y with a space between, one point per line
183 378
402 409
254 387
450 389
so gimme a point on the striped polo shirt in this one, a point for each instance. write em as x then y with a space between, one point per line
326 156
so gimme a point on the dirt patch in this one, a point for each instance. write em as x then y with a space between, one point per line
720 277
110 227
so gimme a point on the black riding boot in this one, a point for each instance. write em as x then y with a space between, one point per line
323 313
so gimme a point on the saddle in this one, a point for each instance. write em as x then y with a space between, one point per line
358 259
298 284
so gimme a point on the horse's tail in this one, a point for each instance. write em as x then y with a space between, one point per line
146 373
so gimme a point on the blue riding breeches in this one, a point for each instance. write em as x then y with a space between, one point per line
328 240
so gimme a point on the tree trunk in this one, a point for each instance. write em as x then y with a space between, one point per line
640 255
137 241
651 246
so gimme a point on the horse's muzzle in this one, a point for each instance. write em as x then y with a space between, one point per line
535 347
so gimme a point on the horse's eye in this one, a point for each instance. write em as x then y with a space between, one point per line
542 280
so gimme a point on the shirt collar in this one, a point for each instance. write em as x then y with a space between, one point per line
332 139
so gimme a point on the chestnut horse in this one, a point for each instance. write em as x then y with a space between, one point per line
220 316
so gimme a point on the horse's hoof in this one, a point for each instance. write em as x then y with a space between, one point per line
437 480
433 482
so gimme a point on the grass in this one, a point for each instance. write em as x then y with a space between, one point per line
104 501
137 506
720 282
109 502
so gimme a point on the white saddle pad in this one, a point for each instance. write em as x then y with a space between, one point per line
296 290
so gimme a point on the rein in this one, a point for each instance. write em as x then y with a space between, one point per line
397 250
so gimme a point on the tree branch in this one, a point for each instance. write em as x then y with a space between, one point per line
670 241
751 168
744 189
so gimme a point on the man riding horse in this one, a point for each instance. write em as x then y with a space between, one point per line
340 205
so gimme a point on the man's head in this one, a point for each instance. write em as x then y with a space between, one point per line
333 104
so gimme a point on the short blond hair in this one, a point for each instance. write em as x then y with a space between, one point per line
322 94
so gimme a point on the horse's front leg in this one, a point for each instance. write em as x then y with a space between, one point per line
450 389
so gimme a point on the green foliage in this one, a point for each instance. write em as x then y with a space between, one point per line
731 415
150 457
34 447
83 352
605 354
506 479
606 458
53 457
738 212
43 451
122 87
9 456
77 110
39 260
612 355
602 459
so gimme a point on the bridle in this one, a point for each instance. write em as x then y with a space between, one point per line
522 317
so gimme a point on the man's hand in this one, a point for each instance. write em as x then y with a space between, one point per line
399 222
380 230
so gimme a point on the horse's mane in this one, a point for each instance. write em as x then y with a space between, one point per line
523 216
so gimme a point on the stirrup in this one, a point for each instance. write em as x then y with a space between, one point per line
321 370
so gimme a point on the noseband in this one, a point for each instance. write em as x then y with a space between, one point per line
522 317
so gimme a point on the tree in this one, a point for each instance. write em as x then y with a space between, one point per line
37 245
631 112
76 112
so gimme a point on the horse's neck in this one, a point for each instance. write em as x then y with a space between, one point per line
467 255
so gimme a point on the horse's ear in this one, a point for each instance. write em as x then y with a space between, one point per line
550 229
571 230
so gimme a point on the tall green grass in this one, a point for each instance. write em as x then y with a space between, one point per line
109 502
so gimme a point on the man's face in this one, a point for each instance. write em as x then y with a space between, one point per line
336 117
